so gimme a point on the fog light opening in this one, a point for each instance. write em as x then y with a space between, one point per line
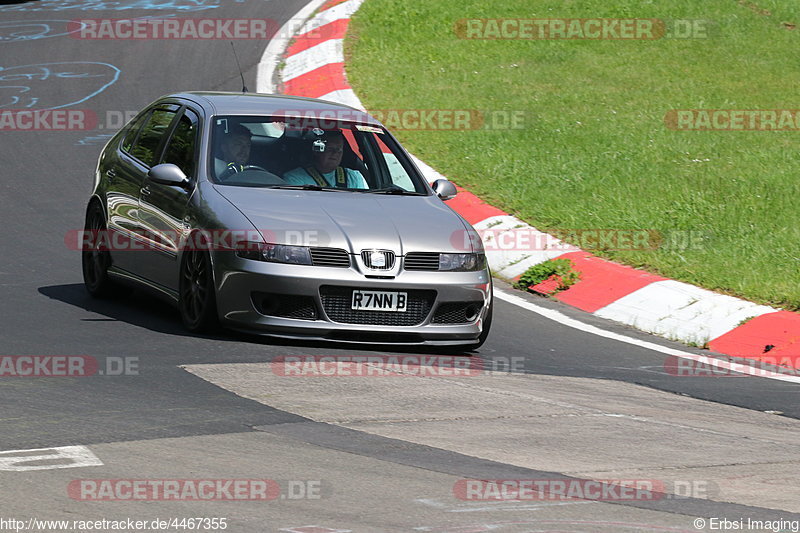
269 305
472 312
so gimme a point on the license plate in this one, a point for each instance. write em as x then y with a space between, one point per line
379 301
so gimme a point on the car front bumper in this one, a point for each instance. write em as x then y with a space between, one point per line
241 282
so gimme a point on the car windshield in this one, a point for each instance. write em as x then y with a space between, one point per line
293 153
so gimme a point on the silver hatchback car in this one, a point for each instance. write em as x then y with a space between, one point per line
284 216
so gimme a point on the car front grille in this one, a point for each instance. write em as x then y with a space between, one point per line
336 301
421 261
285 305
456 312
333 257
387 256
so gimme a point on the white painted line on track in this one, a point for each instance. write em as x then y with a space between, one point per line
66 457
561 318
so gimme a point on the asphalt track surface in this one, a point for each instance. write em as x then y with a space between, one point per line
46 179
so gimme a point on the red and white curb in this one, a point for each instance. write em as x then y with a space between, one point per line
314 67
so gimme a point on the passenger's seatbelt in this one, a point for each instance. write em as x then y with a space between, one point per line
341 178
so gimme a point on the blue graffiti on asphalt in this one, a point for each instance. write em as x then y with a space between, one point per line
99 5
94 140
29 30
31 86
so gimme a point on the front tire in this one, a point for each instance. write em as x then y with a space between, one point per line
197 299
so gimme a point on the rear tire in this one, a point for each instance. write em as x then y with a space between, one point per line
95 257
197 300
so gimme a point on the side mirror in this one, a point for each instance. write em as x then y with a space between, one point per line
444 189
168 174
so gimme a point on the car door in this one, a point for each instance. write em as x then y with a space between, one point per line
162 208
135 157
123 179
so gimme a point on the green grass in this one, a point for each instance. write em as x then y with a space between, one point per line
544 271
595 152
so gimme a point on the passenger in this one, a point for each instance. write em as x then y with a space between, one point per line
325 168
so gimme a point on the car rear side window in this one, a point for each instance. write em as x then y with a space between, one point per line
133 131
181 148
145 149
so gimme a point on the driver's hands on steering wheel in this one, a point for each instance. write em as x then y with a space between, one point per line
231 170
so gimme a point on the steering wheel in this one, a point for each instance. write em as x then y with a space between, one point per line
230 171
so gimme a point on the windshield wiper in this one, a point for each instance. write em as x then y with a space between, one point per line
393 190
305 187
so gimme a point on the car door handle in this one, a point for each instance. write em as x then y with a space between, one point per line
145 191
111 173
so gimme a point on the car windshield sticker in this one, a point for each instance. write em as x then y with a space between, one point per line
370 129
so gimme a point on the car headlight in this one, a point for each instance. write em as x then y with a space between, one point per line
462 262
275 253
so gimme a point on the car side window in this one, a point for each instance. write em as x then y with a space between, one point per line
133 131
145 149
181 147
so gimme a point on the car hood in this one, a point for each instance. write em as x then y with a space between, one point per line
352 221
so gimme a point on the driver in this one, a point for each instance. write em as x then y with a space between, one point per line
325 168
234 152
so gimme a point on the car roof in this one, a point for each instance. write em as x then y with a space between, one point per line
230 103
